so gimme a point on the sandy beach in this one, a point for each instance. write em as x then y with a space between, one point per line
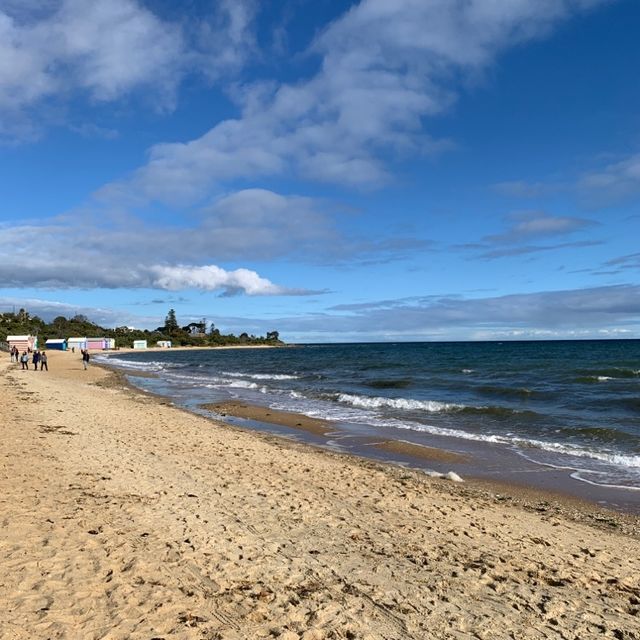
122 516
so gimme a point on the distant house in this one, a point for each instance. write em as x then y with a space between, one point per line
166 344
23 343
59 344
139 344
76 343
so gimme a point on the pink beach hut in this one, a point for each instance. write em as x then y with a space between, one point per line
96 343
23 343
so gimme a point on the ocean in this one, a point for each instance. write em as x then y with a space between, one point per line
562 415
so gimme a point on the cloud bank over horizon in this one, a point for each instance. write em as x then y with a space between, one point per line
598 313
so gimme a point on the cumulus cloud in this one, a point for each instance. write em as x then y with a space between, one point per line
385 65
89 248
211 278
106 50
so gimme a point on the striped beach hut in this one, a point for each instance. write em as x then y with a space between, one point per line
56 343
76 343
24 343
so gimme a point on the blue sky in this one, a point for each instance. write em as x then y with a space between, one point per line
337 171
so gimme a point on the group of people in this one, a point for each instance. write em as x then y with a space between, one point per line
40 358
37 358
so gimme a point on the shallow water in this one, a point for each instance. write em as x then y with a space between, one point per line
567 405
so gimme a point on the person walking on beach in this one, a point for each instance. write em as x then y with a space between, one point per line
43 361
36 359
85 359
24 360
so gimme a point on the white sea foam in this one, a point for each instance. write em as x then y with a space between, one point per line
242 384
610 457
130 365
260 376
578 476
617 459
468 370
603 378
367 402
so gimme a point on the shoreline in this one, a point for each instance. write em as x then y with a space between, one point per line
519 494
125 516
485 463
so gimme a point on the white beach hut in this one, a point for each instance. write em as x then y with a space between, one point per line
139 344
165 344
77 343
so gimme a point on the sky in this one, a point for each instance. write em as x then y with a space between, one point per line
335 170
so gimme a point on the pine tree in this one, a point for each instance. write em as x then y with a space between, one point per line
170 322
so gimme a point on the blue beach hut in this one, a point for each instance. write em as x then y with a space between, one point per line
56 343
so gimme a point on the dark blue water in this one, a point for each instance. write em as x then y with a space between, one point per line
567 404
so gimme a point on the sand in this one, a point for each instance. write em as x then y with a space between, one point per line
122 516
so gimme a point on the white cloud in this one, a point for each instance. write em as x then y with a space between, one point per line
115 250
107 50
385 65
212 278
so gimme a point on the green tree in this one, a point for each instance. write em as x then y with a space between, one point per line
170 322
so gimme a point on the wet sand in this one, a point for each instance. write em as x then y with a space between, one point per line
320 427
239 409
122 516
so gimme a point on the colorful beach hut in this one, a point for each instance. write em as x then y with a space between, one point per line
59 344
77 343
96 343
139 344
23 343
101 343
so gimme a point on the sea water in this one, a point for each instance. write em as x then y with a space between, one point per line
571 405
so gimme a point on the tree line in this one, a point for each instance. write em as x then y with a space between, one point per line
194 334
